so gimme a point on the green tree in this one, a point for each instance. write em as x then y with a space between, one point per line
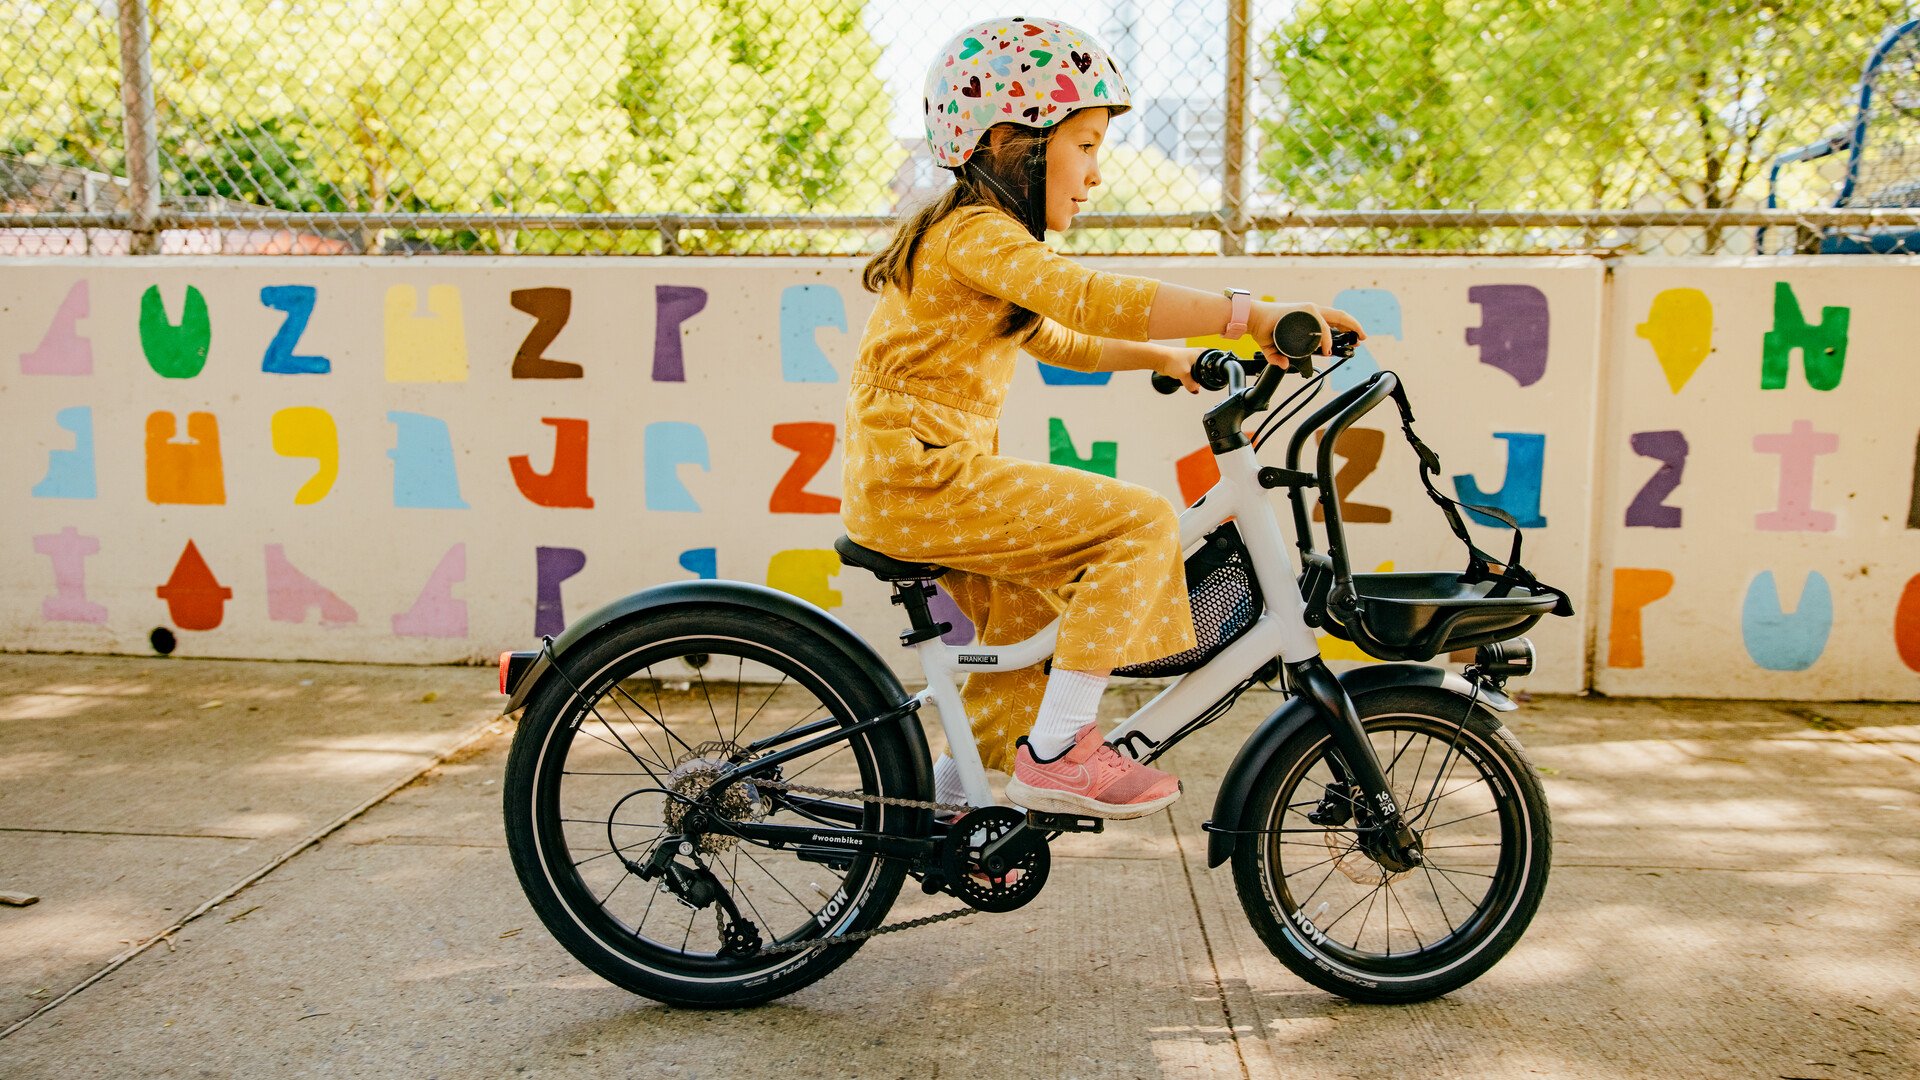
1389 104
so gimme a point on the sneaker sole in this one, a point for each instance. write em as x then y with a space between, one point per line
1050 801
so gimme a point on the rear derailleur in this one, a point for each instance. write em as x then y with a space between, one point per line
696 887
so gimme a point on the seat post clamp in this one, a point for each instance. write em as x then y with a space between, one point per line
913 596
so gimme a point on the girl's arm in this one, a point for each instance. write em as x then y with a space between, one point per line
1180 312
1169 360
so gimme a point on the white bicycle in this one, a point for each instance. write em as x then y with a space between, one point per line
717 790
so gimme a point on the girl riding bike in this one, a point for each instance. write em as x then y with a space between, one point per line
1017 110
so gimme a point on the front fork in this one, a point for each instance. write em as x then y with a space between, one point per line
1393 844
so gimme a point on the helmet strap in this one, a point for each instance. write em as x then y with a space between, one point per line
1031 210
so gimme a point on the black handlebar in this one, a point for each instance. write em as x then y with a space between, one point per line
1296 337
1210 370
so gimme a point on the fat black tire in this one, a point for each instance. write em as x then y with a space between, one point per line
1518 874
540 851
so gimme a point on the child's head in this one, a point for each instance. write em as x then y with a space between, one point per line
1016 109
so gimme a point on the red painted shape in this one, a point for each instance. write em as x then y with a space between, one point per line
195 598
564 485
814 442
1197 473
1906 624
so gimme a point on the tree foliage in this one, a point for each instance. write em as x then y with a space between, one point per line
609 106
1553 104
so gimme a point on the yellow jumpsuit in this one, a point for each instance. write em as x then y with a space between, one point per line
924 479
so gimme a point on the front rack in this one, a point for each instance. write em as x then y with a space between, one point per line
1403 616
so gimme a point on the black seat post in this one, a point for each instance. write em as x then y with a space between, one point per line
913 595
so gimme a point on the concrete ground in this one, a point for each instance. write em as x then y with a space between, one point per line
1734 894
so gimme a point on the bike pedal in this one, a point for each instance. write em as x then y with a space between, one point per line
1064 822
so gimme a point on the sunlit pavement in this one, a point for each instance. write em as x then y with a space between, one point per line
1733 895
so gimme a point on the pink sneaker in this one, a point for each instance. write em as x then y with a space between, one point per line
1089 778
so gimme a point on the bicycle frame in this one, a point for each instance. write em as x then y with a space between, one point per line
1281 630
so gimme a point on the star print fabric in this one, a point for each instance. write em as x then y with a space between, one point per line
1025 541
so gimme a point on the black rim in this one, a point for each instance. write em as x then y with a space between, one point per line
1462 802
600 798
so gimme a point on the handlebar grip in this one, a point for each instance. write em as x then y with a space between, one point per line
1209 370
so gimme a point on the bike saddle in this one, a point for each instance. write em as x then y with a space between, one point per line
884 567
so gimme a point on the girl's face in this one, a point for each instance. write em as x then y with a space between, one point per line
1073 166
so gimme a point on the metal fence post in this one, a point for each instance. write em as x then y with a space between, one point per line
142 129
1233 182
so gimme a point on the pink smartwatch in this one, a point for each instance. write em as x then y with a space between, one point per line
1237 319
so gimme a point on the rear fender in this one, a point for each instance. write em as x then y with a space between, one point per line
745 597
1236 787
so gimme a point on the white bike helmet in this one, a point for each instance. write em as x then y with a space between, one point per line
1031 72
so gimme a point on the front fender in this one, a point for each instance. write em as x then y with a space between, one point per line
1236 787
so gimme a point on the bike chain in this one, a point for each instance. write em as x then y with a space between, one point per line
890 928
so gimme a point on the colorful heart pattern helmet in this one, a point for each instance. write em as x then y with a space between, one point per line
1032 72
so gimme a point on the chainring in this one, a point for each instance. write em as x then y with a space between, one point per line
1013 885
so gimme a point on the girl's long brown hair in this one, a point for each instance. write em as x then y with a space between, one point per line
894 264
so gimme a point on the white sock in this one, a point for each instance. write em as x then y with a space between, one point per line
1071 702
947 787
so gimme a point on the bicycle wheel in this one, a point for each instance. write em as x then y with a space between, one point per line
1341 920
600 776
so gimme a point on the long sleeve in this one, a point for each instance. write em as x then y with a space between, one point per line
1062 347
990 252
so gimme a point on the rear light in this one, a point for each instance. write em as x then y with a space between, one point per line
513 668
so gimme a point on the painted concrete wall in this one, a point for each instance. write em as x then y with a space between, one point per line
430 460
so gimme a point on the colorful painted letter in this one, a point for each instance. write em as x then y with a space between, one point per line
702 563
1679 326
549 308
1778 641
806 573
945 609
307 432
804 310
1512 334
70 472
423 472
1379 311
68 551
185 473
175 351
564 485
1361 447
62 350
673 305
1519 495
195 598
297 301
1906 623
1797 450
291 594
1649 508
1633 590
1196 473
669 445
1102 457
437 612
814 442
1822 345
425 344
553 565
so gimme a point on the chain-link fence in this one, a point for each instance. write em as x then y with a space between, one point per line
794 126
